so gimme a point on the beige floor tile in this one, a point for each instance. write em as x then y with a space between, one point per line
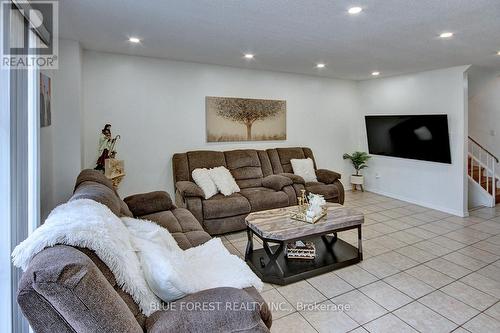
382 228
301 293
422 233
378 267
386 295
356 276
432 248
378 217
449 307
426 217
487 246
482 324
398 260
469 295
467 236
491 271
465 261
424 319
435 228
278 304
487 285
329 320
447 267
494 311
236 236
374 247
411 220
293 323
330 284
489 227
406 237
389 323
390 243
448 242
409 285
479 254
362 308
397 224
416 254
359 330
431 277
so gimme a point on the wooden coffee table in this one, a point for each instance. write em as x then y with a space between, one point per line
276 227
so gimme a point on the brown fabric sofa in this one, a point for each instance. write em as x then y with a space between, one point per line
264 177
68 289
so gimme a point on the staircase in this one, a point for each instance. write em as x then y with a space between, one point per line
481 166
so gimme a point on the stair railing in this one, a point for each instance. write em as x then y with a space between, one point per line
485 162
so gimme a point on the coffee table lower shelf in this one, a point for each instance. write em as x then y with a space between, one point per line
272 266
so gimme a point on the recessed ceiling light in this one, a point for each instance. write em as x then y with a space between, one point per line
249 56
498 53
446 35
354 10
320 65
134 40
375 73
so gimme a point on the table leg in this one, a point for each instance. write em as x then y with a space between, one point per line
249 249
273 256
360 243
329 243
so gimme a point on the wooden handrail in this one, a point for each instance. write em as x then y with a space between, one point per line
486 150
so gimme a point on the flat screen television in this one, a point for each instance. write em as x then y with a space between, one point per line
419 137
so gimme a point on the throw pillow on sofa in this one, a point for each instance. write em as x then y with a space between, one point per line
304 168
224 180
201 177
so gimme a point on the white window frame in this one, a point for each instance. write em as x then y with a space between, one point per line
19 180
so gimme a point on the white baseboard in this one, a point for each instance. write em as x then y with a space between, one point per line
420 203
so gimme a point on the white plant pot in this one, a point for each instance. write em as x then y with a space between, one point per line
357 180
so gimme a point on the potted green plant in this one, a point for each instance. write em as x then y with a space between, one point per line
358 159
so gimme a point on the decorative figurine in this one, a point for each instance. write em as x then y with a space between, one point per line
106 147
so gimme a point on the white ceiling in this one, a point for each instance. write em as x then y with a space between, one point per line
390 36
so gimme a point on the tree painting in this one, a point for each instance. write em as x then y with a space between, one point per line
234 119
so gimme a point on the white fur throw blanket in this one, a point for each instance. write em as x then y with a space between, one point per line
137 252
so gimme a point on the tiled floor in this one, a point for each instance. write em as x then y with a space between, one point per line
423 271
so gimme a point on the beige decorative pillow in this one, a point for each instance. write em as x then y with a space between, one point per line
304 168
202 178
224 180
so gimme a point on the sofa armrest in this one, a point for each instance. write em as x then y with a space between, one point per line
276 182
327 176
149 203
296 179
219 309
189 189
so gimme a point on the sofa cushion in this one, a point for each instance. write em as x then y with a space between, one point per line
304 168
204 159
241 314
148 203
223 206
276 182
74 287
100 193
262 198
183 226
329 191
245 166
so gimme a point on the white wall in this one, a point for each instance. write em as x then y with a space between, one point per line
484 108
158 108
61 143
435 185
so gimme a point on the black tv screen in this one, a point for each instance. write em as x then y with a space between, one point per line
419 137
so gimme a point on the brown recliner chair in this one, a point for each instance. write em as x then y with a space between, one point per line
328 183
